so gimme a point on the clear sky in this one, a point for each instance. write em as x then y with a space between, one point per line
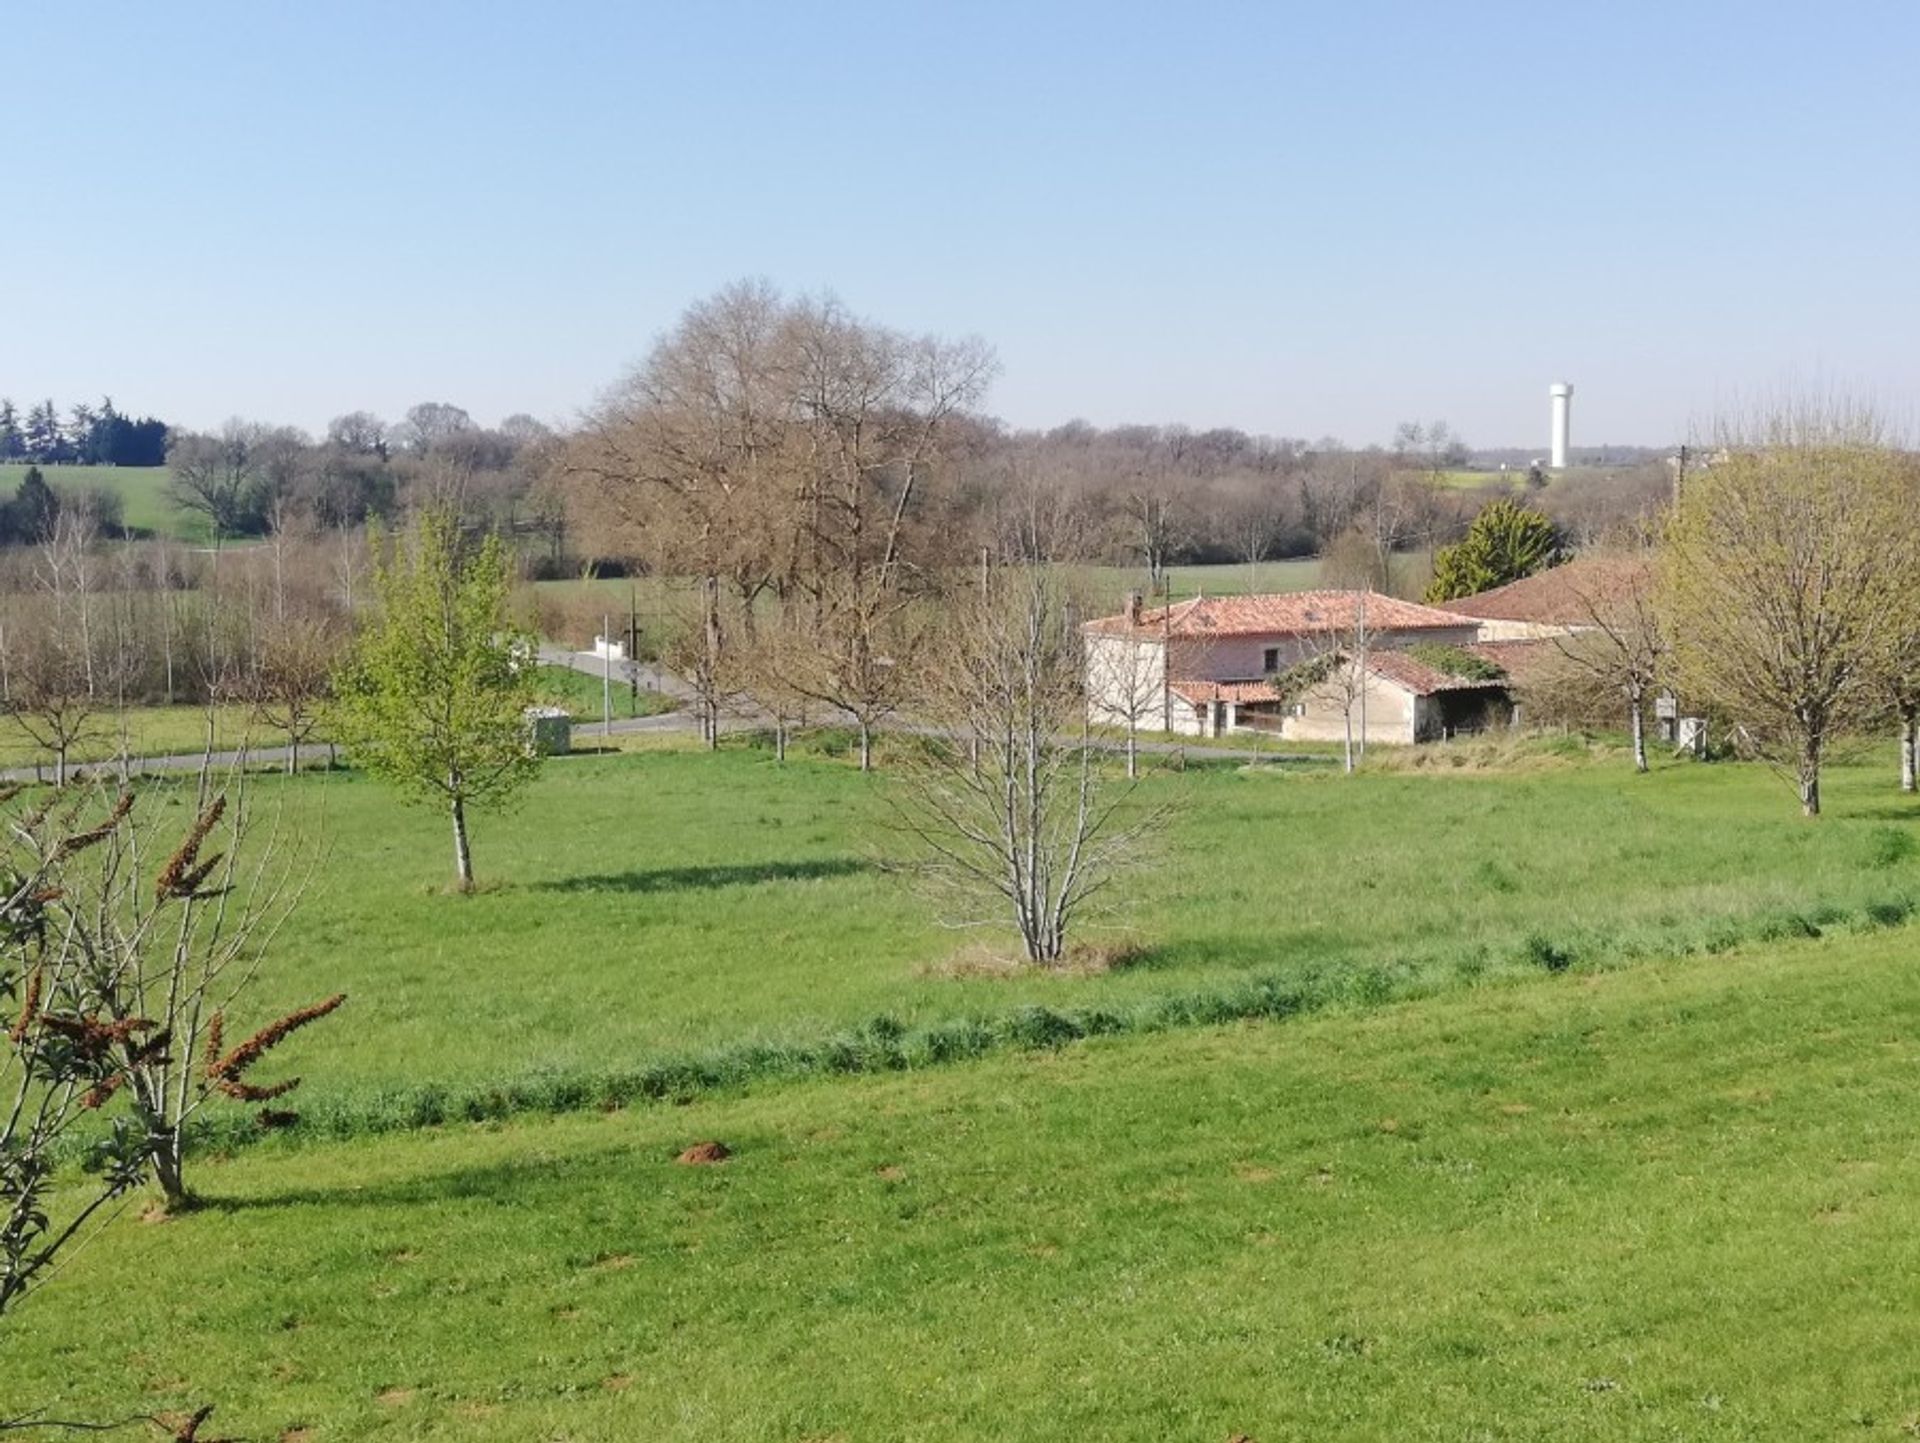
1300 219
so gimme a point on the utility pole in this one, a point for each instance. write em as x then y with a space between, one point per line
633 646
1166 663
1363 675
606 675
1680 475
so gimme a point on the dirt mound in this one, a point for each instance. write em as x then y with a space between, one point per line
704 1154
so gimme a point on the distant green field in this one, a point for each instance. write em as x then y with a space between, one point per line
142 491
582 696
671 905
146 731
183 730
1676 1202
1465 480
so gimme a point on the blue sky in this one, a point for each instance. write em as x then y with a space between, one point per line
1298 219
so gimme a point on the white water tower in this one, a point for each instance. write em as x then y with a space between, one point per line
1561 395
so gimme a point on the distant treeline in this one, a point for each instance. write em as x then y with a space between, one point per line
1154 496
89 436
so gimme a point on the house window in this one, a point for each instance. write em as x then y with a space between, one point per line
1270 660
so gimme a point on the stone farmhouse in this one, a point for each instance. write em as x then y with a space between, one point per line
1205 667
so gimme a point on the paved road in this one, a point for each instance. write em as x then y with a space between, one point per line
666 683
651 677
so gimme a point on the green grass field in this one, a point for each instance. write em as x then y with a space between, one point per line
1564 1103
1674 1202
142 491
670 906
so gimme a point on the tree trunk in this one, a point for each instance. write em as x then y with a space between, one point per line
866 746
462 852
1133 752
293 755
1810 781
169 1169
780 740
1637 722
1349 755
1909 739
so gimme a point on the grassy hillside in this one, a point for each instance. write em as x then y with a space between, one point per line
662 906
1673 1202
142 491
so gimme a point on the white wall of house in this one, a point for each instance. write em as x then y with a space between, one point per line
1391 712
1126 680
1245 658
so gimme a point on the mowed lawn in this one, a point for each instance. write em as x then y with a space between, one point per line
667 904
1676 1201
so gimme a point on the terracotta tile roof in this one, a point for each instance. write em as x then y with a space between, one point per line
1202 692
1517 658
1300 613
1419 678
1561 596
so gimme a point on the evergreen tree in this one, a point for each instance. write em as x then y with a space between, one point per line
12 443
34 508
44 442
81 421
1506 542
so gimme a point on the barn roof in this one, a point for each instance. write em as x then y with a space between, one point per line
1202 692
1300 613
1565 595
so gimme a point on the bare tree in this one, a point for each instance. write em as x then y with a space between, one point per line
684 463
872 408
779 651
1621 644
1127 681
858 653
1156 509
1012 817
53 694
1253 520
289 679
218 477
1336 668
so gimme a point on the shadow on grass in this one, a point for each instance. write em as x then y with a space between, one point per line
520 1179
687 879
1907 811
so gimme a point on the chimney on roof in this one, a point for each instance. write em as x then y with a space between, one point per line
1133 607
